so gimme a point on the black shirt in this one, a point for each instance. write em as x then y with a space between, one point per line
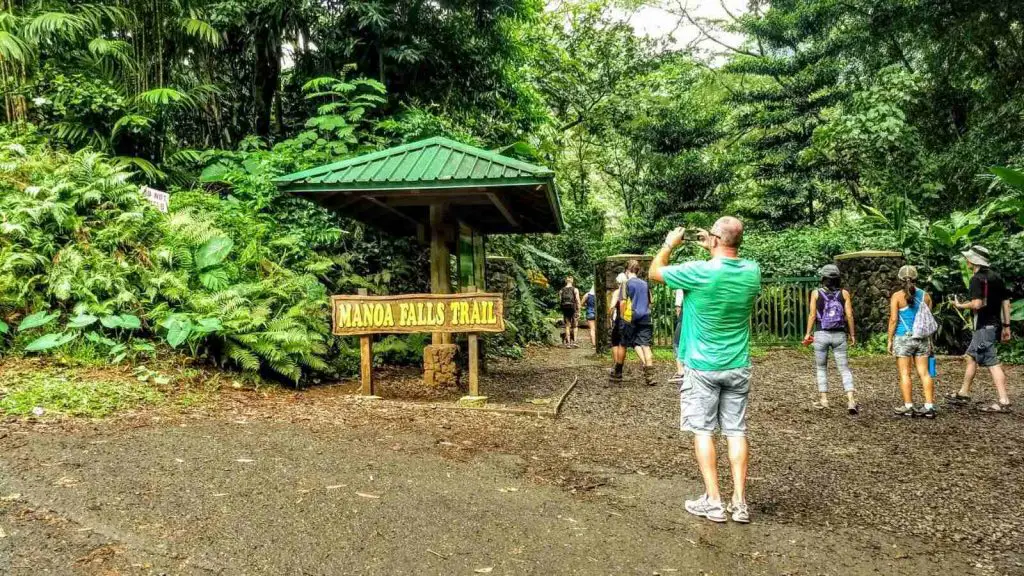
988 287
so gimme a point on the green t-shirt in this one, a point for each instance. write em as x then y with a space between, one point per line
719 299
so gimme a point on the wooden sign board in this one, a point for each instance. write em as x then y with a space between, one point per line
411 313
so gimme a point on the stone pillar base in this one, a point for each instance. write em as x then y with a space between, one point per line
440 366
473 401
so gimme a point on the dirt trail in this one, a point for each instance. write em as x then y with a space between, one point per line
321 483
266 498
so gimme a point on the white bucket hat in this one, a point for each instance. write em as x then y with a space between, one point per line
977 255
621 278
906 272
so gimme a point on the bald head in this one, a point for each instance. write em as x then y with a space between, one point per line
729 230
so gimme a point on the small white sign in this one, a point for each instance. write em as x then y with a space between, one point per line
156 197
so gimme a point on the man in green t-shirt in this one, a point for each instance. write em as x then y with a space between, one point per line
719 298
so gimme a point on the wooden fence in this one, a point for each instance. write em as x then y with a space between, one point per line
780 312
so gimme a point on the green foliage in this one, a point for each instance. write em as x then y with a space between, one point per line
78 237
802 251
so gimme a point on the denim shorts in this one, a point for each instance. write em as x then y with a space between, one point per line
715 399
983 346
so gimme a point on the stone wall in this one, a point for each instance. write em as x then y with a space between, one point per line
501 277
604 286
441 366
870 277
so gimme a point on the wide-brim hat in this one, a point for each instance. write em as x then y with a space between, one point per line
829 271
621 278
977 255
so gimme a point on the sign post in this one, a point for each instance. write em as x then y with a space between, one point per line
474 356
366 360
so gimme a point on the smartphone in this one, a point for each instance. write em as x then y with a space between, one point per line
692 236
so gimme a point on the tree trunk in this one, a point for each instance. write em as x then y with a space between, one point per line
268 77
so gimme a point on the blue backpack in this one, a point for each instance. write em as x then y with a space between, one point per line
831 311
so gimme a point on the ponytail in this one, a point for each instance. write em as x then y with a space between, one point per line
910 289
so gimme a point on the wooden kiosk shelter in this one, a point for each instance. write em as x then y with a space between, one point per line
449 194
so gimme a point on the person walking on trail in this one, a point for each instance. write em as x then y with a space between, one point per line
830 326
618 349
638 332
911 350
569 299
590 306
990 304
719 300
680 352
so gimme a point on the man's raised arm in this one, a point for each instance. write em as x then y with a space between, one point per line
674 239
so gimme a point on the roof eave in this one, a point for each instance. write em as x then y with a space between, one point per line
297 188
556 207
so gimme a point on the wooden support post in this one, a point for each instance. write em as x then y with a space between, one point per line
366 360
440 274
474 355
474 364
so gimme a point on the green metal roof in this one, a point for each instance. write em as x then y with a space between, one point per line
393 189
428 163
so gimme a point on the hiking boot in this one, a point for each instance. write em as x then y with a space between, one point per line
928 413
649 376
904 411
706 509
740 512
614 377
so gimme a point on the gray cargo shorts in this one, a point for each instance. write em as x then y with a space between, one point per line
983 346
714 399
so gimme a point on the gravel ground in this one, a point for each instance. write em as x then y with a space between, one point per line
831 494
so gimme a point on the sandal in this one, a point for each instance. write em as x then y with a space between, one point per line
997 408
957 398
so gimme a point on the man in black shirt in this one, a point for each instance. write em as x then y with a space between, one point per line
990 303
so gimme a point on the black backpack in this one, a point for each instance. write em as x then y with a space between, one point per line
567 296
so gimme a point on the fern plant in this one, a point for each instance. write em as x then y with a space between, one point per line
85 256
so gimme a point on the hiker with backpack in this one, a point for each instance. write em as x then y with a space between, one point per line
911 326
632 304
638 331
569 299
830 326
990 306
618 349
590 306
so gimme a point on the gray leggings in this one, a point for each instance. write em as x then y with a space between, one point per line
836 341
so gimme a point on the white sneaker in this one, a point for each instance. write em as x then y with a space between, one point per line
706 509
740 513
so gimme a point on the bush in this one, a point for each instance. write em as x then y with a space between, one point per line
802 251
84 253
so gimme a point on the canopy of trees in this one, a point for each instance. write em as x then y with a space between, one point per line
827 126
